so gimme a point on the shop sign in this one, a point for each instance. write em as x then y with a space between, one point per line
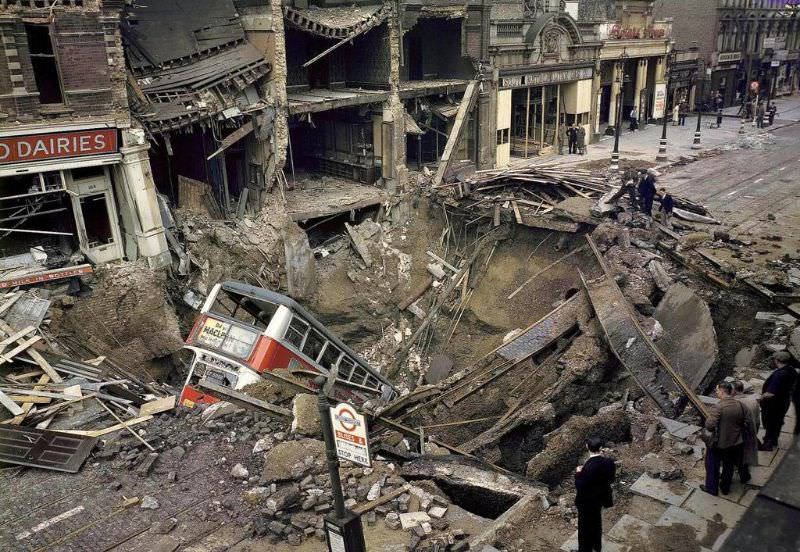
57 145
774 43
546 77
780 55
775 63
618 32
729 57
660 104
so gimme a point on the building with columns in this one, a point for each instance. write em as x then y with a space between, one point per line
630 70
74 173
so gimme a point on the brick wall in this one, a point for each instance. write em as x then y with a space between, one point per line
90 58
694 23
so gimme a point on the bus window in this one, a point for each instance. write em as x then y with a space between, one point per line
314 343
296 332
330 356
249 311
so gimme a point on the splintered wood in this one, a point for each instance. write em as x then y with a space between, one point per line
548 197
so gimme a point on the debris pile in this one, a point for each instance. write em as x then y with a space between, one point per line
547 197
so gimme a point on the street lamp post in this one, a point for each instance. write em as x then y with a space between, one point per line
662 145
620 95
696 145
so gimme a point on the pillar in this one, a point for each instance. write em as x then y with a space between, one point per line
141 193
616 86
487 117
393 115
641 83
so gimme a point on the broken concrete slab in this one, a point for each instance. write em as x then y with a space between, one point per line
668 492
301 272
409 520
630 529
293 459
679 430
689 341
306 415
708 533
714 508
440 368
477 483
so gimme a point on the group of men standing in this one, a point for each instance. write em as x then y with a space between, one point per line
731 429
575 137
644 193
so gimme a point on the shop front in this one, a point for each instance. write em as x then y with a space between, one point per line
534 106
62 191
727 79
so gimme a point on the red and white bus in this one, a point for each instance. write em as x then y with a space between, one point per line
244 331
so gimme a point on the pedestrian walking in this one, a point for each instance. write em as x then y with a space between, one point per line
634 116
593 493
581 140
723 438
563 138
666 207
750 436
647 191
719 118
683 111
676 114
762 110
573 139
773 111
775 398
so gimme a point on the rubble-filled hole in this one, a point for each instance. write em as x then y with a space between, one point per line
324 230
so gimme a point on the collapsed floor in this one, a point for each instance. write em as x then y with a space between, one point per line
446 303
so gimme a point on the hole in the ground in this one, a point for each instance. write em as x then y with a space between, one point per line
478 501
570 293
324 230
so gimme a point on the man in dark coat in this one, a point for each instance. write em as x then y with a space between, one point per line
593 485
573 139
726 421
775 398
667 205
647 191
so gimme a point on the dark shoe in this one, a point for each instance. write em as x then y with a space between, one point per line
705 490
745 480
724 492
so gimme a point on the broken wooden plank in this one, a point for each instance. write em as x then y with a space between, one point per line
683 260
242 399
360 244
15 336
107 430
631 345
496 214
10 302
517 214
10 405
125 425
23 344
35 355
388 497
157 406
465 107
419 292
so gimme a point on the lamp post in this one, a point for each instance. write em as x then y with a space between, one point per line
620 95
662 145
696 145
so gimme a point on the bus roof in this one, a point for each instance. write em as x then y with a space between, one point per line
273 297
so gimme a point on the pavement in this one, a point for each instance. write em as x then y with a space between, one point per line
675 510
644 143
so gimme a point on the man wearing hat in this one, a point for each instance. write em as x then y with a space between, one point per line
647 191
775 398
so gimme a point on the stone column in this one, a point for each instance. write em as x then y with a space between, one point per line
641 83
140 191
393 111
487 119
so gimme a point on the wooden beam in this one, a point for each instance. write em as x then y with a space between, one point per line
107 430
35 355
23 344
10 405
467 103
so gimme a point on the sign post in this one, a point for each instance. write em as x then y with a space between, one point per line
343 530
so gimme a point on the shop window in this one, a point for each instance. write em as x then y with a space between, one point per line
84 173
94 210
45 68
503 136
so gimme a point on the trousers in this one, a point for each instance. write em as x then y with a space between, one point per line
590 528
772 416
727 458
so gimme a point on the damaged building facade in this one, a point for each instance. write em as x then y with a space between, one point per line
74 172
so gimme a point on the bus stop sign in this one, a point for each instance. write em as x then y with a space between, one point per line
350 434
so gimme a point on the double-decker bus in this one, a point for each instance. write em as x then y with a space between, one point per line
245 331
